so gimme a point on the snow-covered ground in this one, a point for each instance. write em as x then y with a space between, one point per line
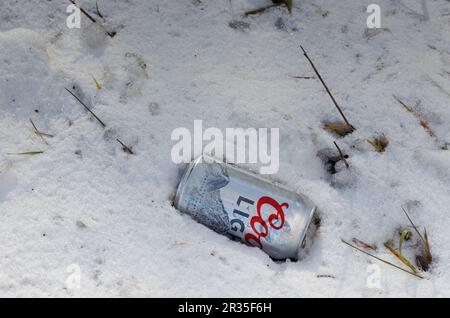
86 207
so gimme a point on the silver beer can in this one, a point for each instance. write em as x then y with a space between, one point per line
243 206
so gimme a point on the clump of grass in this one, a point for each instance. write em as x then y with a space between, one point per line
423 260
379 143
382 260
338 128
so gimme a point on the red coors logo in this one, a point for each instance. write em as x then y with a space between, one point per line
275 221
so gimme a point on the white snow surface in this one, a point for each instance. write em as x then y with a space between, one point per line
85 206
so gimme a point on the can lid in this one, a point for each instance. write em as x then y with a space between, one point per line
182 184
307 234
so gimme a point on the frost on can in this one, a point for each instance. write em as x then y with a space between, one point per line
244 206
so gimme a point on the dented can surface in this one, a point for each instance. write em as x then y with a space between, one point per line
241 205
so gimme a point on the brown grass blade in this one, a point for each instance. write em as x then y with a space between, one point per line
364 244
419 118
40 134
401 258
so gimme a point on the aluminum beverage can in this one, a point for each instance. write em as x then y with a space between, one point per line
243 206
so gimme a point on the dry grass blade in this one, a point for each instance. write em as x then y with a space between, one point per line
382 260
364 244
303 77
40 134
413 225
326 88
342 155
97 83
261 10
419 118
27 153
401 257
87 108
98 11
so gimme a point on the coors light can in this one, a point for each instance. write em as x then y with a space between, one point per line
244 206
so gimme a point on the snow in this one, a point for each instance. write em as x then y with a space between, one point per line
85 204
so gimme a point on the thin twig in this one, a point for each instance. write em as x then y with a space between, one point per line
326 87
382 260
87 108
342 155
125 147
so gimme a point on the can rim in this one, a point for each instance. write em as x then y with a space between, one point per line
305 230
184 179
